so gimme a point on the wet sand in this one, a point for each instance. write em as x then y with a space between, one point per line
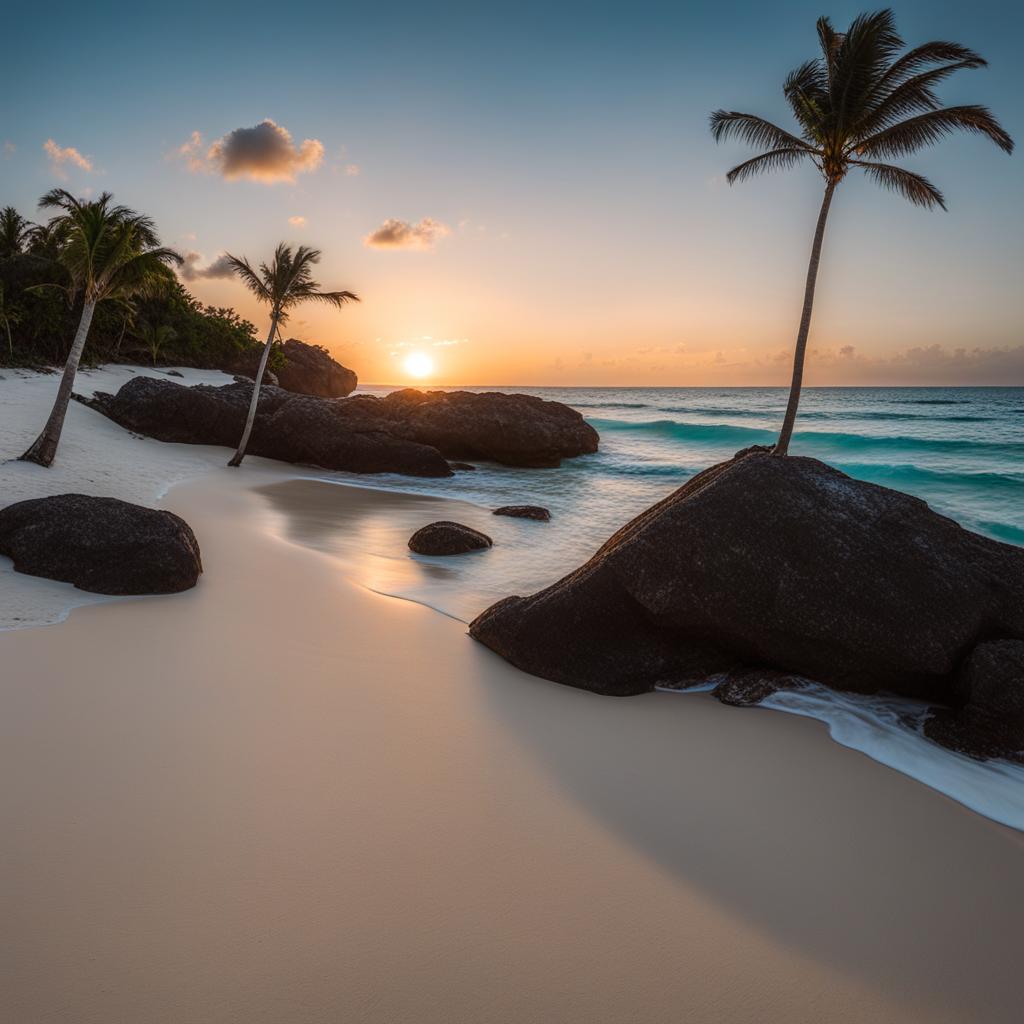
281 797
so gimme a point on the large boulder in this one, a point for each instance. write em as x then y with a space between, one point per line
513 429
410 432
306 369
102 545
448 538
292 428
778 564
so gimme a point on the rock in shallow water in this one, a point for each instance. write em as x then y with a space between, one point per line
780 564
102 545
541 514
447 538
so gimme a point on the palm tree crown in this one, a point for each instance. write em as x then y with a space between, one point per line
109 252
287 281
861 101
15 232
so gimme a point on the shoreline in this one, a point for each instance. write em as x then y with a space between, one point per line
186 801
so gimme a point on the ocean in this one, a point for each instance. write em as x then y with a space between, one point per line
960 449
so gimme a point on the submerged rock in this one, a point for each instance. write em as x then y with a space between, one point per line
541 514
447 538
102 545
785 565
409 432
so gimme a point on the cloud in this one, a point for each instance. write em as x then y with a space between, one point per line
60 157
264 153
9 148
191 271
297 221
400 234
352 170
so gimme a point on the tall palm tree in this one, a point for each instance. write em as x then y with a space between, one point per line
15 232
859 102
109 252
282 285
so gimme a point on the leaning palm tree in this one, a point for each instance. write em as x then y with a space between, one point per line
9 314
109 252
286 282
858 103
15 232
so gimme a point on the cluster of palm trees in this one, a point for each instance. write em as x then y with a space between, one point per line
858 104
109 252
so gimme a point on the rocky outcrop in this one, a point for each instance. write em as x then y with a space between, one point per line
538 512
102 545
305 369
292 428
789 566
447 538
409 432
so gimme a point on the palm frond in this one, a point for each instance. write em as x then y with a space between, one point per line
249 277
773 160
919 190
754 130
928 128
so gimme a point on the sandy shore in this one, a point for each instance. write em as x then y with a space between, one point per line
281 797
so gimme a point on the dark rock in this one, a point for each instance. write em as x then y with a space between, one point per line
446 538
102 545
292 428
542 515
515 430
990 723
363 434
269 377
462 467
306 370
173 373
789 565
744 688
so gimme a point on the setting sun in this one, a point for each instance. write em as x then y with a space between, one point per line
418 364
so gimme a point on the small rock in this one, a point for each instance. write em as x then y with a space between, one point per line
744 688
542 515
462 467
174 373
447 538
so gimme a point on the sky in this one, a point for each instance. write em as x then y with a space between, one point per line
528 193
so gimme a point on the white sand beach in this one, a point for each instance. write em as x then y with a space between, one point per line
282 797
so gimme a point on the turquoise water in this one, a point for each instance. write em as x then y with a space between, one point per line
960 449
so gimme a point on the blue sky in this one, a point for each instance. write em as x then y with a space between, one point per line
590 235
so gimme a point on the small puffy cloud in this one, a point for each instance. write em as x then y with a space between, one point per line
62 156
9 148
191 271
264 153
400 234
297 221
352 170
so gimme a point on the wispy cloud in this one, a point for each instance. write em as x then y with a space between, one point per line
401 234
298 221
422 342
264 153
62 156
191 271
352 170
10 148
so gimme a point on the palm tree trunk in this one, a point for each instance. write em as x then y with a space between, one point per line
782 445
44 448
236 459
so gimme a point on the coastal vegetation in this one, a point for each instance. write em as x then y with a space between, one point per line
38 318
857 105
284 283
107 253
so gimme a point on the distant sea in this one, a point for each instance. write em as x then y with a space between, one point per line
960 449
